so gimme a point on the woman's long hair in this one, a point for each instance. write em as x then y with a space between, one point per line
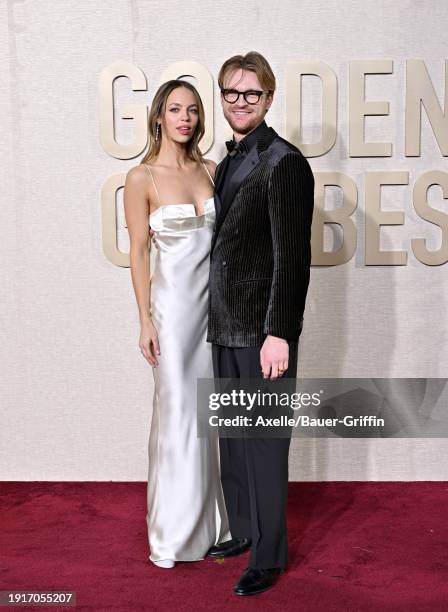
157 111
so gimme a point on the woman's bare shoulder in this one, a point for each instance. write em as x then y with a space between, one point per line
138 185
211 165
138 174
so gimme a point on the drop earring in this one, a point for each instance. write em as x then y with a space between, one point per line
157 131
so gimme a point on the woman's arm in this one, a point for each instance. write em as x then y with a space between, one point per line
136 209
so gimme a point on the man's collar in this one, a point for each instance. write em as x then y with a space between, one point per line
251 138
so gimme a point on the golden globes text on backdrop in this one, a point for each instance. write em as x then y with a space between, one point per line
418 92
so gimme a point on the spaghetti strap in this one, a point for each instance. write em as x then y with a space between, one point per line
154 183
205 166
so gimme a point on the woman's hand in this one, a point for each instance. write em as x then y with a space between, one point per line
149 343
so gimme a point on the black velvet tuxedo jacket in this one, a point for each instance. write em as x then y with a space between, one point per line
261 252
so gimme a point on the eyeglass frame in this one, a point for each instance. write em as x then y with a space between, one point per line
259 92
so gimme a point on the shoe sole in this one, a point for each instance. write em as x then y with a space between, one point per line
254 592
233 554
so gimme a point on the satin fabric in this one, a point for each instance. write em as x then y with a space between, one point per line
186 510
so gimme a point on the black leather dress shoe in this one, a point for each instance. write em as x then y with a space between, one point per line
255 581
231 548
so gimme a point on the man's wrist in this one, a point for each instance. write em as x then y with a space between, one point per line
277 339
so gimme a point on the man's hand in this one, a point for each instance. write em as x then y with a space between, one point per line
152 237
274 356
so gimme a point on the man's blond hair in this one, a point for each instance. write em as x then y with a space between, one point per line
252 61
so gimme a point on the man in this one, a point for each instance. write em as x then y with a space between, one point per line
259 275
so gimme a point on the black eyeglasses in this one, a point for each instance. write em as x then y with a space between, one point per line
252 96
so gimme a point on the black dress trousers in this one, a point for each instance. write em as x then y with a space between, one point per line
254 471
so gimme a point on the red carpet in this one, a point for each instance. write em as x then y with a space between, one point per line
353 547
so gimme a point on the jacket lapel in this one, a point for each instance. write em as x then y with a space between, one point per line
244 169
249 163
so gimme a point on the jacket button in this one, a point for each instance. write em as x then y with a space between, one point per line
224 263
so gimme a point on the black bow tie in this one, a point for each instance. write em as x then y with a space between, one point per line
234 147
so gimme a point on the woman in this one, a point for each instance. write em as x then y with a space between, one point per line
174 185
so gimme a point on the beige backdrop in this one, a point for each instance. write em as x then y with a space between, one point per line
76 392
